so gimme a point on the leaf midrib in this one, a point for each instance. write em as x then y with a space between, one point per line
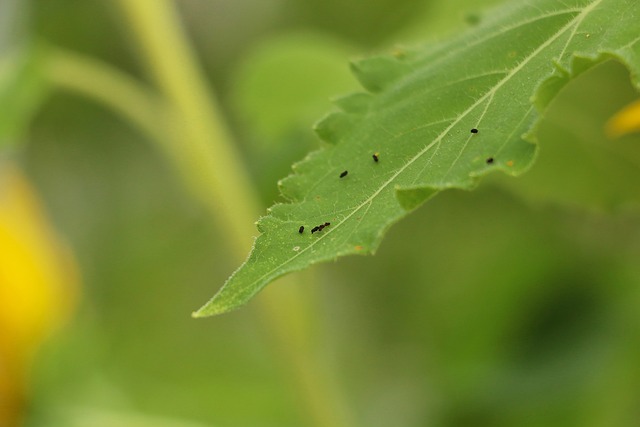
503 30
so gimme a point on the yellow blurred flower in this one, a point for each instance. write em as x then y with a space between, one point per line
38 287
625 121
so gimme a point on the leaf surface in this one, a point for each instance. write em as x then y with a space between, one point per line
417 114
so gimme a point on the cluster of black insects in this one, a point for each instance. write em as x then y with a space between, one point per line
376 158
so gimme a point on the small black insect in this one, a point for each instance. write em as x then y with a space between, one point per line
375 157
490 160
343 174
474 130
320 227
301 229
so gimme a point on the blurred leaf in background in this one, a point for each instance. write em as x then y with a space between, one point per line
281 87
282 84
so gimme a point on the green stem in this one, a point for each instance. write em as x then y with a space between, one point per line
200 139
286 307
101 82
202 146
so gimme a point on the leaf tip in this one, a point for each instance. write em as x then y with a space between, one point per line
204 311
211 308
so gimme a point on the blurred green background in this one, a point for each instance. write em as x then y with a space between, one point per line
516 304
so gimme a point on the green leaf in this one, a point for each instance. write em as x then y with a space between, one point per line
418 115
